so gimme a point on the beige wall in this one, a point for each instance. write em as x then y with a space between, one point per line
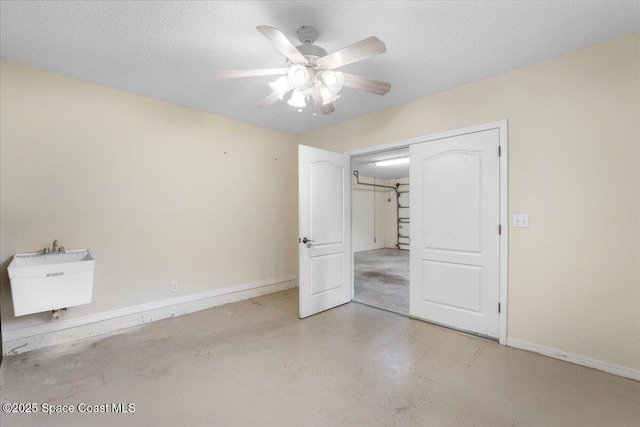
146 186
574 136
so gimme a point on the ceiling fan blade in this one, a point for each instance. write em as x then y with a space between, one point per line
283 44
317 100
268 101
373 86
356 52
251 73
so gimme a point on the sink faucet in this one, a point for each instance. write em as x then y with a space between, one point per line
56 249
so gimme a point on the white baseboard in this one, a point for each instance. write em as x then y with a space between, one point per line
66 330
601 365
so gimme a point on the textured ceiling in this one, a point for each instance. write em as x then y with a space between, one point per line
171 50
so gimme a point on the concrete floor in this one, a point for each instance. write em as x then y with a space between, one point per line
255 363
381 279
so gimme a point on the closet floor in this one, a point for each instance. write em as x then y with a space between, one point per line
382 279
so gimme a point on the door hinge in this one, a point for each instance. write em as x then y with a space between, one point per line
500 229
498 307
499 150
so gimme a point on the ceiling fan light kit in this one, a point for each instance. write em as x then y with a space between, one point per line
281 86
299 76
297 99
310 75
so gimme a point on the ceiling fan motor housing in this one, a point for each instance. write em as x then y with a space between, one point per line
312 50
307 36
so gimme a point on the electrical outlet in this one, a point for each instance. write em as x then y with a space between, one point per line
521 221
174 286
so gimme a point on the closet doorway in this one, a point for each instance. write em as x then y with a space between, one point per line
380 227
458 228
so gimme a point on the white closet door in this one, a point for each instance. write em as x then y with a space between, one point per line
325 230
455 242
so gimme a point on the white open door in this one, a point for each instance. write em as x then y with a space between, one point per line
325 230
455 242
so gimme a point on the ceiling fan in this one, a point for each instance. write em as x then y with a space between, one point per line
309 74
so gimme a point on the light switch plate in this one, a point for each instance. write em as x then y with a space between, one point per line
521 221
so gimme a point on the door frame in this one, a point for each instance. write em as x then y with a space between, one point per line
501 126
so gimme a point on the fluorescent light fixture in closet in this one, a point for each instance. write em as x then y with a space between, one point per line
391 162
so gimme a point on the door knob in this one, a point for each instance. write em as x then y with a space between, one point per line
305 240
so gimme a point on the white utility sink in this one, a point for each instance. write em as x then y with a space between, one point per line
43 282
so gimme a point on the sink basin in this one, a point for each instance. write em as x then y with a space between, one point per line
43 282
